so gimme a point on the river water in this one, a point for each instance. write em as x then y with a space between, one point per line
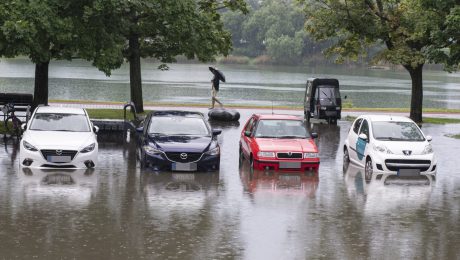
119 211
246 85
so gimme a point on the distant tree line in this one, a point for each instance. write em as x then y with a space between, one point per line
110 32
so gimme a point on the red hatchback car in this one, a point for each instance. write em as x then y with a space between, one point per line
279 142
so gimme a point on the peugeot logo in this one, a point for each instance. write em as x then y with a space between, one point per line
58 152
183 156
407 152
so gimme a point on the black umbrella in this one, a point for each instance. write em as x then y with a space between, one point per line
218 73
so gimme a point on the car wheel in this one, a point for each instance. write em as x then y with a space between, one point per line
308 116
368 170
251 166
346 160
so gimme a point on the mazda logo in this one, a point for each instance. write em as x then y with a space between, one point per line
183 156
407 152
58 152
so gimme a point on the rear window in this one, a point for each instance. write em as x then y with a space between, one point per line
328 92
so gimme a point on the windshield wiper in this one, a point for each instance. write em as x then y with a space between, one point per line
267 136
326 95
293 136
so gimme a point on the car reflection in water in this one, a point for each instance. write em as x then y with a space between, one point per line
171 193
386 194
71 186
328 139
256 181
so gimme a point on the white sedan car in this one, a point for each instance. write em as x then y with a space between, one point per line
59 137
392 145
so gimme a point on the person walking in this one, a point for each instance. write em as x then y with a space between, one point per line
215 81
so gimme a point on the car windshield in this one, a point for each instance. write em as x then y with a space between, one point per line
60 122
178 125
275 128
396 131
328 92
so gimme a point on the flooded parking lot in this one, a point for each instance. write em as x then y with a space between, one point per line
119 211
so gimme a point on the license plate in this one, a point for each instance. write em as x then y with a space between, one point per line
289 165
408 172
58 159
184 167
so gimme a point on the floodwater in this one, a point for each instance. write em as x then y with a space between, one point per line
119 211
246 85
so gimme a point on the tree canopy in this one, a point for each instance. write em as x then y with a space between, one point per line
413 32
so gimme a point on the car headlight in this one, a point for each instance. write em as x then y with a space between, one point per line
382 149
88 148
428 149
310 155
29 146
323 108
215 151
152 150
337 108
266 154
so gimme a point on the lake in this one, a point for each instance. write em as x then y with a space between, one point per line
246 85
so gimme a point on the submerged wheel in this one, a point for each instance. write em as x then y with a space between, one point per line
346 160
240 156
368 170
308 116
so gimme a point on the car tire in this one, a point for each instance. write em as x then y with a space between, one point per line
368 170
346 160
251 166
240 157
307 116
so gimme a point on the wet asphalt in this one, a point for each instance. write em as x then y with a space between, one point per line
118 211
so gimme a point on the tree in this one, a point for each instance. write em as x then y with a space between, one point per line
165 29
412 31
45 30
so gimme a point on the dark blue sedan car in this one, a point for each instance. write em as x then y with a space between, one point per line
178 141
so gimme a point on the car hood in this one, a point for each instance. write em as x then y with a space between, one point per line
287 145
397 147
193 144
58 139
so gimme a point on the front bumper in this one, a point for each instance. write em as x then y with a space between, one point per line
391 165
277 165
160 162
37 160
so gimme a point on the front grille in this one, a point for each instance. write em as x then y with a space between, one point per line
289 155
183 157
47 153
395 164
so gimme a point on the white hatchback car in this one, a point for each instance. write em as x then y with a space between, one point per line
59 137
392 145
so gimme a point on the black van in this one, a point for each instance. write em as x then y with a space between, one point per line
322 100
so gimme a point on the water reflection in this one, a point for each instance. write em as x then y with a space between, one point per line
278 182
328 140
386 194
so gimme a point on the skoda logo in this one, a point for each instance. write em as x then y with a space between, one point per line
183 156
407 152
58 152
290 154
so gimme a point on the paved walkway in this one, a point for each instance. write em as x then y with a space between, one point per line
284 111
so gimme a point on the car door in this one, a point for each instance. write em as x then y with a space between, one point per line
247 140
353 137
361 144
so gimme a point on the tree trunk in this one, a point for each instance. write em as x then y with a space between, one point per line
135 73
416 103
41 84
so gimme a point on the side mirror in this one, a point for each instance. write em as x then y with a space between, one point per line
314 135
24 127
247 133
95 129
429 138
363 136
216 132
140 129
345 97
